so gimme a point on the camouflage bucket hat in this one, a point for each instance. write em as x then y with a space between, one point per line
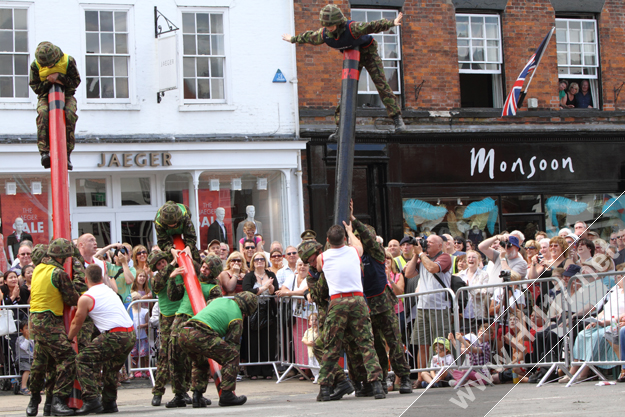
60 248
48 54
170 213
156 256
307 249
331 15
214 265
39 252
248 302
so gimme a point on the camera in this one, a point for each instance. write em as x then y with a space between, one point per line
505 275
505 244
421 240
122 250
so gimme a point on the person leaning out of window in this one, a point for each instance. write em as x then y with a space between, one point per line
568 101
583 99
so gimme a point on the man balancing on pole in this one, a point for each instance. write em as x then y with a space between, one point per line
52 66
339 33
175 219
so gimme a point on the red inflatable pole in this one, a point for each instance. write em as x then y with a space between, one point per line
193 288
60 198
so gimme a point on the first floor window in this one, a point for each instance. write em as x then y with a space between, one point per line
13 53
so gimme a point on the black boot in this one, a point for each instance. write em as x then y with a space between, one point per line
90 406
228 398
60 408
325 393
405 386
45 159
366 391
177 401
335 135
187 399
200 401
378 392
343 388
70 167
399 124
156 400
47 407
109 407
33 404
384 386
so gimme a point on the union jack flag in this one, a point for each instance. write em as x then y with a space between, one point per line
510 106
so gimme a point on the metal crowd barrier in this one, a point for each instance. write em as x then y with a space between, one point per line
9 348
152 337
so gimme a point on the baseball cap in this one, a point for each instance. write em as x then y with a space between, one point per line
406 239
573 236
213 242
514 241
572 270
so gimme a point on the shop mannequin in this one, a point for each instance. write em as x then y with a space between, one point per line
3 257
15 238
475 235
251 212
217 230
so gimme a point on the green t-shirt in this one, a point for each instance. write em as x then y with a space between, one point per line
219 314
123 289
167 307
185 304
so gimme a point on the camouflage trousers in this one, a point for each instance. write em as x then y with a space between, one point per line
201 343
180 366
348 318
107 352
53 351
163 372
386 331
370 59
43 123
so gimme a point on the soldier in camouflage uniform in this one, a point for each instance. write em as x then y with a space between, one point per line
158 262
175 219
381 301
52 66
51 289
215 333
176 290
339 33
109 350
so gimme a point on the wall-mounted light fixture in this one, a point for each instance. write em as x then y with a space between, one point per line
236 184
214 184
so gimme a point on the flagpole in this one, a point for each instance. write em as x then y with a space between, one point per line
523 93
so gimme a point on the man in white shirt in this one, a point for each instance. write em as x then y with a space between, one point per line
507 258
88 246
287 272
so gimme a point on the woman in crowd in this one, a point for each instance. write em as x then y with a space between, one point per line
601 246
140 260
531 249
585 250
598 264
460 263
276 260
563 85
248 229
262 324
231 278
568 101
396 280
26 277
558 249
12 292
460 245
469 244
479 298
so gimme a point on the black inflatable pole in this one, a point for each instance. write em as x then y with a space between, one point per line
347 135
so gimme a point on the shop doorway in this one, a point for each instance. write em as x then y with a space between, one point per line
528 224
133 228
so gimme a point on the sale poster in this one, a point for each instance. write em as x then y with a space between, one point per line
27 212
208 201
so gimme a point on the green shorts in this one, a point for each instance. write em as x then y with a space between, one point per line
429 325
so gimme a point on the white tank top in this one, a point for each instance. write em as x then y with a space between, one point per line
108 311
341 268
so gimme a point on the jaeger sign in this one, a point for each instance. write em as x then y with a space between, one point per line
140 159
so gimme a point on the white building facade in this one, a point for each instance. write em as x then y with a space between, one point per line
227 136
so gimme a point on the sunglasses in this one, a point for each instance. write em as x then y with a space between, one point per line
236 260
531 247
24 254
613 238
554 245
291 253
250 247
458 242
259 260
276 256
142 252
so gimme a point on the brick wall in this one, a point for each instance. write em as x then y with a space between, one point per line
525 23
611 25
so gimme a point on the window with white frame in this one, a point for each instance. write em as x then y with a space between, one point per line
389 49
479 60
203 57
108 58
13 52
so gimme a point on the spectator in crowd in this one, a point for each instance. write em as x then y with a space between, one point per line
539 235
27 276
141 285
558 249
248 229
478 348
562 86
598 264
260 246
531 249
448 244
119 270
311 334
261 281
585 250
276 245
580 229
396 281
140 260
394 248
514 341
506 258
571 240
406 246
12 292
620 243
515 302
140 351
231 278
519 235
583 99
276 261
460 263
224 251
469 244
433 266
479 298
592 235
601 246
568 101
286 273
214 247
23 256
544 250
249 249
460 246
442 358
25 351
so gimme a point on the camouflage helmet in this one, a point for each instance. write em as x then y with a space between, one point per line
156 256
215 266
247 302
60 248
331 15
39 252
308 248
48 54
170 214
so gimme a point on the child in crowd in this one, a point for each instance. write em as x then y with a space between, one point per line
141 286
441 359
141 350
26 348
479 354
309 340
518 341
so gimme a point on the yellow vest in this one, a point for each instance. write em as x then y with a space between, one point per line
44 296
60 67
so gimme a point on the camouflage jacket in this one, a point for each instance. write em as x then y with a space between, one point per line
319 292
62 282
78 274
159 279
358 29
70 81
165 241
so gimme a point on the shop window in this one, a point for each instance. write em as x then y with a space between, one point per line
596 210
25 213
235 192
91 192
178 187
474 218
137 232
100 230
204 56
108 57
578 53
136 192
14 59
479 60
389 49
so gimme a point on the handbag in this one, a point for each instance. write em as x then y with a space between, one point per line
7 322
